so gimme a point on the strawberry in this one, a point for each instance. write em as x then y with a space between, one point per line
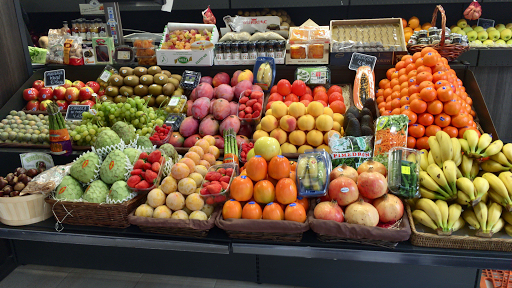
222 171
256 107
256 94
133 181
243 100
214 189
224 179
260 100
255 114
143 156
146 166
203 191
241 114
155 167
220 198
229 171
154 156
224 185
251 102
206 184
210 201
241 107
247 92
136 171
138 164
150 176
215 182
142 185
248 116
161 161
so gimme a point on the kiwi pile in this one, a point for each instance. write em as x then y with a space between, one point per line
152 84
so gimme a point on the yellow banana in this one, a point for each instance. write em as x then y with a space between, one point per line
502 159
507 216
431 209
435 149
472 137
425 193
466 186
481 187
493 149
498 226
508 229
437 174
493 215
464 146
462 198
475 168
261 71
453 214
450 172
481 214
470 217
443 208
445 143
459 174
507 150
424 159
493 166
429 183
422 217
485 197
496 197
484 141
412 202
459 223
457 153
267 75
430 159
499 187
466 165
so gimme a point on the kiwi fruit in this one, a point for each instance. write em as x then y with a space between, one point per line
177 93
146 79
104 98
151 101
174 82
168 89
160 79
166 72
116 80
118 99
155 89
162 100
176 76
140 90
125 71
131 80
126 91
139 71
154 70
112 91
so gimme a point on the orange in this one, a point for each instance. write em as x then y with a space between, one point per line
469 101
418 106
432 130
303 201
394 82
460 121
412 116
416 56
405 107
251 210
414 89
279 167
412 81
424 69
419 62
388 105
404 23
399 65
430 59
422 143
412 73
273 211
445 94
390 72
443 120
408 30
380 92
264 192
427 50
241 188
435 107
383 83
441 83
416 130
440 67
380 99
411 142
382 105
286 191
425 84
293 166
452 107
403 79
428 94
256 168
404 101
414 22
394 74
395 95
439 75
387 92
425 26
386 113
404 84
452 131
402 71
395 103
423 76
425 119
414 96
295 212
397 87
396 111
232 209
407 59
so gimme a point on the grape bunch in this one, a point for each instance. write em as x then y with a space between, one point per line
134 111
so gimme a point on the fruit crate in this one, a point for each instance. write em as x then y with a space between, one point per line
498 278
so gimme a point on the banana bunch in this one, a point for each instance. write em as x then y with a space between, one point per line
437 183
500 189
443 148
471 192
479 147
501 161
469 167
438 216
264 74
507 216
486 218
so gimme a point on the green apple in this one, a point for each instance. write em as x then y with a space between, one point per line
488 42
462 23
467 29
453 26
482 35
478 28
472 35
500 27
506 34
490 29
508 26
501 42
461 32
509 42
456 29
477 42
474 26
494 35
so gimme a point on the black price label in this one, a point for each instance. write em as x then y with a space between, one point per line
54 78
485 23
359 60
74 112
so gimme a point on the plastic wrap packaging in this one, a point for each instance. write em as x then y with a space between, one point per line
37 55
364 38
350 150
310 35
390 132
55 47
233 36
47 180
314 75
208 17
298 51
313 169
73 51
403 172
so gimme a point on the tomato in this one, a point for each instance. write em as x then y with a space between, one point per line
321 96
318 89
284 87
275 97
299 88
411 142
336 88
335 96
291 97
416 130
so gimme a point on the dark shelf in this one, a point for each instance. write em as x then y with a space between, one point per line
495 57
398 2
245 4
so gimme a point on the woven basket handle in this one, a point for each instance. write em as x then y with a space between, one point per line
443 22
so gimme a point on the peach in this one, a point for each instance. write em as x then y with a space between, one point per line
328 111
214 151
194 156
190 141
198 178
156 197
315 109
197 150
303 148
314 138
180 171
204 163
324 123
169 185
306 123
220 78
189 126
180 214
189 162
268 112
279 134
279 109
297 137
224 91
324 147
288 123
201 170
337 117
203 144
269 123
337 127
206 79
162 212
258 134
210 158
297 109
288 148
175 201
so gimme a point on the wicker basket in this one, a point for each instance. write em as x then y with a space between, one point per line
448 51
456 242
93 214
24 210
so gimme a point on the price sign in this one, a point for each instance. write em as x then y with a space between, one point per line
485 23
54 78
74 112
359 60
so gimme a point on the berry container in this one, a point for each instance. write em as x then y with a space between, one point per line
223 196
254 120
162 141
155 185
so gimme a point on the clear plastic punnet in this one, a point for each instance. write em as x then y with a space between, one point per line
312 174
366 38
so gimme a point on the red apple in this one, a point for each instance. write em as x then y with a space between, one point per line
101 92
67 84
45 93
87 102
74 103
63 105
32 105
85 93
59 93
44 104
72 94
78 84
94 85
38 84
30 94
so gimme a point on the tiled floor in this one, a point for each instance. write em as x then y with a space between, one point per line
35 276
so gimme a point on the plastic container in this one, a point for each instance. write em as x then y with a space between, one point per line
190 80
124 55
224 195
312 173
252 120
163 141
157 181
265 72
174 120
242 159
177 104
403 172
146 60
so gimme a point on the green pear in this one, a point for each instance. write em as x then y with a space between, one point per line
488 42
506 34
472 35
500 27
509 26
467 29
490 29
494 35
478 28
456 29
482 36
501 42
462 23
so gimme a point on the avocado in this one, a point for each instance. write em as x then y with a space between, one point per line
160 79
370 104
139 71
367 120
131 80
116 80
353 128
348 116
366 111
125 71
354 111
146 79
366 131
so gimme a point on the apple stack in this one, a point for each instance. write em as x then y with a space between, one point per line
497 36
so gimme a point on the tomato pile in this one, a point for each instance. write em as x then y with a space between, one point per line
427 90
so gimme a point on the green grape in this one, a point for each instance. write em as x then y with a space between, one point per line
159 122
111 117
133 110
88 138
135 122
127 106
85 133
77 137
72 133
101 114
144 130
152 116
92 131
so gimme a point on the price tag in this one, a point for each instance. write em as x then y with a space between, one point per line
54 78
74 112
485 23
406 170
357 60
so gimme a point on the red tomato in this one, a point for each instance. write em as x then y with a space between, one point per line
291 97
275 97
284 87
299 88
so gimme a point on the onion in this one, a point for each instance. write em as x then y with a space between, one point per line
390 208
377 167
362 213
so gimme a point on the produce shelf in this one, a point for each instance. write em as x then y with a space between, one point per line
245 4
398 2
495 57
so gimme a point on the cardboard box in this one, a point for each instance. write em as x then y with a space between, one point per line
244 62
201 54
383 57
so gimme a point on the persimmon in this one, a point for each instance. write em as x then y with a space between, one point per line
303 201
295 212
256 168
264 192
232 209
273 211
286 191
279 167
251 210
241 188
